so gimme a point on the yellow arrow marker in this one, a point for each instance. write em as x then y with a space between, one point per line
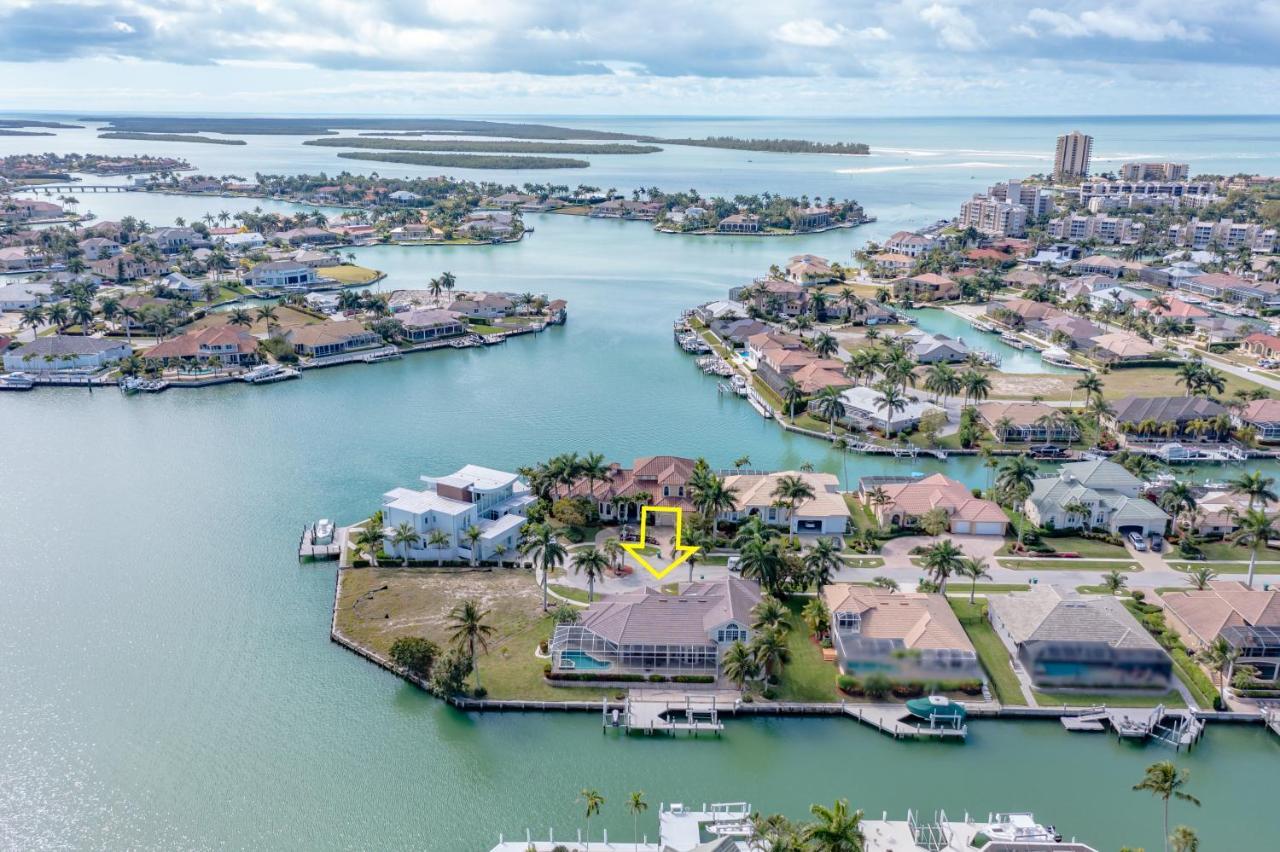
682 551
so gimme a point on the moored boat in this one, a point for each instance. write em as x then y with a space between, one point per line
937 709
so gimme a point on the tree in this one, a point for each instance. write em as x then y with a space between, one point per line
791 491
415 654
1201 576
467 620
769 614
835 829
1220 656
438 540
935 521
1015 479
1257 488
405 536
1255 529
740 665
542 546
636 805
593 801
975 570
1165 781
830 407
942 560
817 617
792 394
891 401
770 650
449 674
762 562
473 534
369 540
821 562
1114 582
1184 839
591 562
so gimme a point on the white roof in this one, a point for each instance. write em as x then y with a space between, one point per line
867 401
419 502
476 478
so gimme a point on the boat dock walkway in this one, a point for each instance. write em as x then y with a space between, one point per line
1178 728
892 720
669 713
308 548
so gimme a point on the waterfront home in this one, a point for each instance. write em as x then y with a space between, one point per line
622 208
420 325
314 259
226 343
902 635
1233 289
925 287
1220 329
1066 330
906 500
1249 619
1262 345
1174 413
811 372
18 209
298 236
1027 421
331 338
1067 640
807 269
784 297
487 224
650 481
182 285
19 297
1094 495
242 242
1264 416
1021 312
1177 309
557 311
911 244
125 267
739 223
864 408
1101 264
96 248
1118 346
483 306
651 632
892 263
403 196
938 349
281 275
1218 512
721 309
1026 278
810 218
66 352
493 502
755 494
1110 294
173 240
20 259
738 331
758 344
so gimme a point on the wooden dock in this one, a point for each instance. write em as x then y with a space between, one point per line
1271 717
1178 728
308 549
667 714
890 719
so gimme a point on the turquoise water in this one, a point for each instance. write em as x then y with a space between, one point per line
166 678
583 661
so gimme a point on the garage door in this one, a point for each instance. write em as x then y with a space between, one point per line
990 528
960 527
809 526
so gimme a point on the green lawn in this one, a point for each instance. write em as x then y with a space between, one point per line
482 328
510 670
1225 551
991 651
348 274
958 588
807 677
1068 565
863 561
1086 547
1172 698
1096 590
862 517
571 592
1228 567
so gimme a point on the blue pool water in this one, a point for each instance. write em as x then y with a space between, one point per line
583 661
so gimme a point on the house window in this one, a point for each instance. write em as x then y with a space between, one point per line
851 621
731 633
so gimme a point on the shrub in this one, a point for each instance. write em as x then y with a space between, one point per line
657 678
575 535
909 689
770 693
582 676
876 685
1138 595
849 685
693 679
415 654
449 675
480 692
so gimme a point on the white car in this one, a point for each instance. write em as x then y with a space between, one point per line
734 563
1139 543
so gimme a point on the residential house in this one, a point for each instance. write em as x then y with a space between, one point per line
1248 619
557 311
173 240
1262 345
492 502
1101 264
96 248
651 481
756 494
1067 330
484 306
1264 416
774 295
19 297
1180 411
811 218
1027 278
1220 329
180 284
651 632
1027 421
65 352
721 309
242 242
907 500
1118 346
298 236
1065 640
1177 309
20 259
331 338
938 349
902 635
125 267
864 408
1094 495
288 275
808 269
737 331
803 366
758 344
925 287
228 344
422 325
911 244
739 223
1233 289
892 263
1218 512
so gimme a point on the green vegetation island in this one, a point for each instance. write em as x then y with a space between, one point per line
468 161
168 137
8 132
486 147
780 146
24 122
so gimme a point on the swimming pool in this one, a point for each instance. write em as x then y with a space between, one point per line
582 661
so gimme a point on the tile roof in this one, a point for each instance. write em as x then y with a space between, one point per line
1135 409
1224 604
940 492
918 620
1049 613
686 618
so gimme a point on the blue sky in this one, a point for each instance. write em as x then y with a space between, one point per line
915 57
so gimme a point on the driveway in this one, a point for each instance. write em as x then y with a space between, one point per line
897 551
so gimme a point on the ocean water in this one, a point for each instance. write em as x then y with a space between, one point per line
166 679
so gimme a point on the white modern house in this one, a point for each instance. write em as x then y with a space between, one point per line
65 352
864 406
1097 495
492 502
282 275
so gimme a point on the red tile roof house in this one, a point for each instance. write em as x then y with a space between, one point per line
809 269
910 501
789 298
927 286
331 338
659 480
1263 415
229 345
1264 345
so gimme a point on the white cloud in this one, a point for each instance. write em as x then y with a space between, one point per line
955 30
1140 25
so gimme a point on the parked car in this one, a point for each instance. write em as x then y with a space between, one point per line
734 563
1138 542
1157 543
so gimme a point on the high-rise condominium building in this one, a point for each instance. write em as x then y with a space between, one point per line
1071 159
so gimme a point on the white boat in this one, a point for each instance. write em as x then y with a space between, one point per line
1059 357
739 384
1019 828
137 384
17 382
1013 340
268 373
387 354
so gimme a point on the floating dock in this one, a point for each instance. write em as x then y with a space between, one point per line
325 544
1178 728
667 714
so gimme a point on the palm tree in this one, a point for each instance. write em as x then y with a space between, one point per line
636 805
542 546
32 317
438 540
614 552
1255 529
1258 488
591 562
821 562
792 393
712 496
942 560
975 570
473 534
405 536
1200 577
1015 478
592 799
369 539
769 614
1114 582
829 407
1179 499
817 617
791 491
740 665
891 401
467 620
835 829
1166 781
771 651
1219 656
1184 839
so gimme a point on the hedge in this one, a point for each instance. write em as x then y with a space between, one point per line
851 685
624 677
1198 682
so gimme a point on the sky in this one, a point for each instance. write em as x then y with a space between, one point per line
697 57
